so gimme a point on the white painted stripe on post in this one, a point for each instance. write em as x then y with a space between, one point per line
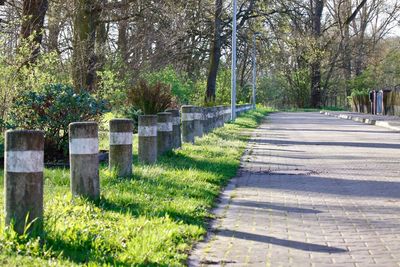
147 131
164 126
120 138
29 161
84 146
176 121
191 116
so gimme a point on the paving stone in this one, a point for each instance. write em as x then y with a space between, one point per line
312 191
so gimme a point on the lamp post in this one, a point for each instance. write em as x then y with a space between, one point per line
254 68
233 85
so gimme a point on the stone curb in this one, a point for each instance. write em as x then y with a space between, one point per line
392 125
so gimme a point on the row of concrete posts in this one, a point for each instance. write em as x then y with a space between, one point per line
24 155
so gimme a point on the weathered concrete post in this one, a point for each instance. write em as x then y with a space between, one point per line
188 113
164 132
213 111
176 128
204 120
227 114
198 124
84 159
147 132
23 174
220 116
121 137
208 117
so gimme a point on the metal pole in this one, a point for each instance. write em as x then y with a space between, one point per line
254 71
233 91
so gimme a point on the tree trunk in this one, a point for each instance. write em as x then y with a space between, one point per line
54 26
317 7
215 54
33 13
84 57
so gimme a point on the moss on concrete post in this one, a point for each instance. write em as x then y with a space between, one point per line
23 179
121 137
147 132
84 159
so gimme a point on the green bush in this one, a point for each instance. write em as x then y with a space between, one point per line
52 110
181 87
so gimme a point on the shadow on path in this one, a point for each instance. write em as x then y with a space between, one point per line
282 242
349 144
270 206
328 185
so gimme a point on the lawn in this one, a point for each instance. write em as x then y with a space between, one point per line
153 218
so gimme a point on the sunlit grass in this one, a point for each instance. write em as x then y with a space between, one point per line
151 219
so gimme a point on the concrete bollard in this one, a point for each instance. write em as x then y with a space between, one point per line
213 111
227 116
198 125
220 116
24 164
164 132
147 132
121 137
204 120
209 117
176 128
188 114
84 159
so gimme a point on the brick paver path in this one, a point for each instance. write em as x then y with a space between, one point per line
313 191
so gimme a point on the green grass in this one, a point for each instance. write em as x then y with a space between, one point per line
152 219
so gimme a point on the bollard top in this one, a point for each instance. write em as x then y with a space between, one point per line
22 140
164 117
121 125
148 120
83 130
174 112
188 109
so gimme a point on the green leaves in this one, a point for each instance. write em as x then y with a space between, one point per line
52 109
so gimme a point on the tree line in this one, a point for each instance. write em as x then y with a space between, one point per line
310 52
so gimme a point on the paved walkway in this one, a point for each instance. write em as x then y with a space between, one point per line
313 191
389 122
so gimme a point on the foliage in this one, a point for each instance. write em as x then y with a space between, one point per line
223 91
364 82
181 87
1 146
150 98
111 87
223 95
132 113
52 110
17 76
388 73
285 90
152 219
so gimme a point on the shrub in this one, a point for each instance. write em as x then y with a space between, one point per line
132 113
16 76
181 87
52 110
150 98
